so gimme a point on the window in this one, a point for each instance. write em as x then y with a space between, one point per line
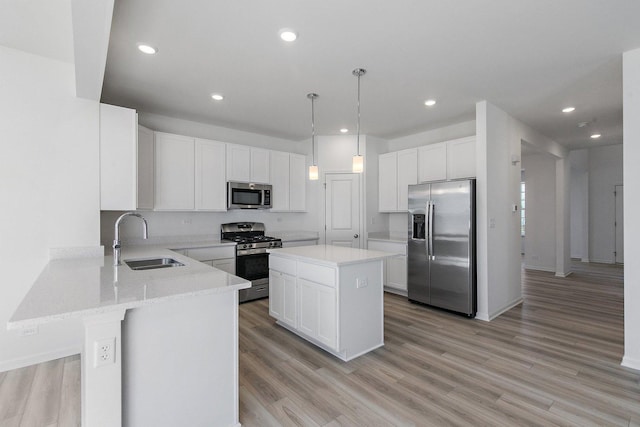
522 208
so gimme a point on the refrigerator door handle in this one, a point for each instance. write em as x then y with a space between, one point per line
431 250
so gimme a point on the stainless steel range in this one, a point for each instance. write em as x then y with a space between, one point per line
252 259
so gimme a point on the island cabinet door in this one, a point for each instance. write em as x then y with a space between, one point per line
318 309
283 297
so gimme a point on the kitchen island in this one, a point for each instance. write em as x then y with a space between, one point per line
329 295
172 360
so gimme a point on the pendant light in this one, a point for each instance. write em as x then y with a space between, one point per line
313 169
358 160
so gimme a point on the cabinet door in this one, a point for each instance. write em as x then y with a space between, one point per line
260 165
318 311
297 182
289 313
210 176
432 162
238 163
226 264
175 175
388 182
145 168
280 181
118 152
407 175
397 272
461 158
276 294
326 312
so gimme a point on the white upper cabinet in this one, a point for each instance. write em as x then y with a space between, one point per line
288 179
388 182
175 172
247 164
259 165
279 181
432 162
396 171
407 175
210 175
297 182
126 170
461 158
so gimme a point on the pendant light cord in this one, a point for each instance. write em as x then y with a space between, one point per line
358 72
312 96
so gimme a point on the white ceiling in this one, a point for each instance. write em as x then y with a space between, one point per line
528 57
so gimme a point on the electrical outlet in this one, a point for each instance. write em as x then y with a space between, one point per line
104 352
29 330
361 282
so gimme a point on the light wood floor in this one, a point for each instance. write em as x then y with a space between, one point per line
555 360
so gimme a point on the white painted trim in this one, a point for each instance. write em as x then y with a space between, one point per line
603 261
483 316
505 309
34 359
585 260
531 267
568 273
395 291
629 362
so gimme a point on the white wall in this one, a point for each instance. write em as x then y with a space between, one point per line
579 204
631 150
540 231
605 172
218 133
50 190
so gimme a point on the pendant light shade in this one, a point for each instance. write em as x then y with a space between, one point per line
358 160
313 169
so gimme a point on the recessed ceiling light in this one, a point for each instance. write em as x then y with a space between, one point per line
344 130
149 50
595 136
568 109
217 97
288 34
430 102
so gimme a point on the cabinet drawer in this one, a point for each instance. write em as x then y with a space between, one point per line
203 254
282 265
317 273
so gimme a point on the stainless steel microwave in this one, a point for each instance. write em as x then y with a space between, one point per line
247 195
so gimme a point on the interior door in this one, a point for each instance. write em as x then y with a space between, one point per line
619 195
342 209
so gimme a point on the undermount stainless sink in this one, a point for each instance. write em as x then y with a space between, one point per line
152 264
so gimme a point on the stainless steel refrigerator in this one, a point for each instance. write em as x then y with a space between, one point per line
442 257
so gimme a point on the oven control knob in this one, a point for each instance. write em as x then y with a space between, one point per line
245 246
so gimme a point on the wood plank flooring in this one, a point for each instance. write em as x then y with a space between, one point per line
554 360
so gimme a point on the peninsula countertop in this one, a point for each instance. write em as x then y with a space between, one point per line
75 287
329 255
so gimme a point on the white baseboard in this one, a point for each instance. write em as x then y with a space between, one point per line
34 359
505 308
532 267
569 273
585 260
395 291
630 362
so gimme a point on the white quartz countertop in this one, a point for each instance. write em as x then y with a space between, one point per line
83 286
330 255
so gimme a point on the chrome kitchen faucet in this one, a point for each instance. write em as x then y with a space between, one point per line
116 234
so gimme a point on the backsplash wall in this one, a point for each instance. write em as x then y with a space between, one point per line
162 224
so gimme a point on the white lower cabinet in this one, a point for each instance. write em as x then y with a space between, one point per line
339 309
318 312
220 257
395 268
283 296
